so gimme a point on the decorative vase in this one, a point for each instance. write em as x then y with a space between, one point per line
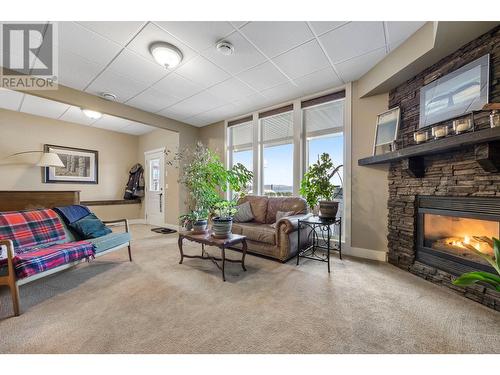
328 209
200 226
222 226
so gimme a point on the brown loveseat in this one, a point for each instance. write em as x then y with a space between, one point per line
262 238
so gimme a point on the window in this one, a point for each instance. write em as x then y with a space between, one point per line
241 146
154 175
277 154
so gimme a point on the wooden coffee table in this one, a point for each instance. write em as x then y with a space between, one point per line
222 244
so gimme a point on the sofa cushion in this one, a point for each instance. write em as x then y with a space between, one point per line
258 205
28 229
109 241
244 213
259 232
296 205
281 214
90 227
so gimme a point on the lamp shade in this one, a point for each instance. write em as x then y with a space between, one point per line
50 159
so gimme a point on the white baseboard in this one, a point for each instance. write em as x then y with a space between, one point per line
360 252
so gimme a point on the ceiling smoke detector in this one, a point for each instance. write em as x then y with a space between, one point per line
225 48
108 96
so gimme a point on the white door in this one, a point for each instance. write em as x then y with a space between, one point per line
155 186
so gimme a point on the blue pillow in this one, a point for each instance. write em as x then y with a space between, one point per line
90 227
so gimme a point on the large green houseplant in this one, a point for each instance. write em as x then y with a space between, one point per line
470 278
317 187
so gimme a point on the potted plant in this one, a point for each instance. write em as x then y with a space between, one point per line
200 222
186 221
491 279
317 187
222 222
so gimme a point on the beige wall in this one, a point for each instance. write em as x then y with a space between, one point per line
369 189
213 137
170 141
121 211
188 134
23 132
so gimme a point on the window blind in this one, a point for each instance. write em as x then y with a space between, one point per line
277 128
324 118
241 135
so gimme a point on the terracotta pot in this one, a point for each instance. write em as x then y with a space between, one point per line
328 209
222 226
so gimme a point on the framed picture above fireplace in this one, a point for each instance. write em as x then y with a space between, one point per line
456 94
386 131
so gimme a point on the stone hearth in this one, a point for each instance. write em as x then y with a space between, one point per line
453 174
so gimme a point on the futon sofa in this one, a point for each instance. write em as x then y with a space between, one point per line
267 237
38 243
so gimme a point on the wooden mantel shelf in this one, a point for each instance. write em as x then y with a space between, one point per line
487 151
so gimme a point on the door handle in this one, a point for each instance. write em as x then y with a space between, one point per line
161 195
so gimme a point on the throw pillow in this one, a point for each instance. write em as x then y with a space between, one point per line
90 226
280 215
244 213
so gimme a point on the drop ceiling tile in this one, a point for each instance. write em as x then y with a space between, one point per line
249 103
199 35
353 39
239 24
177 86
283 92
202 72
302 60
123 87
197 121
275 37
152 100
129 64
153 33
75 115
245 55
118 31
83 42
10 99
263 76
397 32
318 81
137 129
231 89
76 71
321 27
43 107
196 104
173 113
111 123
354 69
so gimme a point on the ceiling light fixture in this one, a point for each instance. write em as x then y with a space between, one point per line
108 96
225 48
94 115
166 54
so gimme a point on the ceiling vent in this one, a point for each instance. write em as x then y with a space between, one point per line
225 48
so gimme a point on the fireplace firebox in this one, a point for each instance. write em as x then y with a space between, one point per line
451 229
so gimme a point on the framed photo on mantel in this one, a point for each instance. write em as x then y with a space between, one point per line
80 166
386 131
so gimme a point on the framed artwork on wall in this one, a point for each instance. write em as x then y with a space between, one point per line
456 94
80 166
386 131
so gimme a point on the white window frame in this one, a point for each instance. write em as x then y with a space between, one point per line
299 150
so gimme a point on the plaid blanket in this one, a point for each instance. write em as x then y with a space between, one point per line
28 229
35 261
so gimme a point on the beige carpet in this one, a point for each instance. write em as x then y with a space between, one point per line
155 305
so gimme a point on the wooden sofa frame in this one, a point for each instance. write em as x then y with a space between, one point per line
13 283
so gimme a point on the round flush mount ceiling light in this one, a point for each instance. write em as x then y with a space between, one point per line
225 48
108 96
94 115
166 54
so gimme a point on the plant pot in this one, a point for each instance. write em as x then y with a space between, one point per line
222 226
200 226
328 209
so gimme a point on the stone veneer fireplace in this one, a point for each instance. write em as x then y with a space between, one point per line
455 176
